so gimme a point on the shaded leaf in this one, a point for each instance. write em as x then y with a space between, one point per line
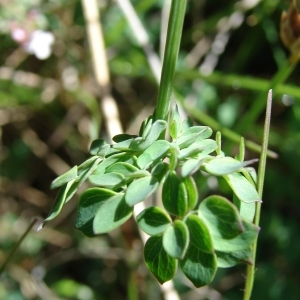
174 195
99 147
84 171
199 234
192 192
176 239
160 171
123 137
230 259
111 214
59 201
242 241
88 205
221 217
161 265
198 266
153 220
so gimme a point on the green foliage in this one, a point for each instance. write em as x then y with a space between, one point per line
199 239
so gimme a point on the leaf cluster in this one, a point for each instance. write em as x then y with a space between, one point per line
199 236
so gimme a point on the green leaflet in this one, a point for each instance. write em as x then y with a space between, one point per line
155 152
153 220
174 195
192 192
99 147
88 205
199 234
59 201
225 165
161 265
64 178
122 168
176 239
140 189
221 217
111 214
230 259
175 123
109 180
245 192
198 266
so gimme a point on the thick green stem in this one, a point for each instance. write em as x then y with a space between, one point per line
170 57
260 184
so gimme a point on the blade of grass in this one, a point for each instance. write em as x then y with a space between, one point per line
260 183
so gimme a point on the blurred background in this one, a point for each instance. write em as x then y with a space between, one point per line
50 111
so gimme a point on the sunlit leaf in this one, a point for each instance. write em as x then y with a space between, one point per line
140 189
156 151
64 178
111 214
121 168
199 234
175 123
176 239
153 220
225 165
109 180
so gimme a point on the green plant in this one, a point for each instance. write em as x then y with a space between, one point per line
200 236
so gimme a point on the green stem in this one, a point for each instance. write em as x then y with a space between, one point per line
260 102
170 57
15 248
260 184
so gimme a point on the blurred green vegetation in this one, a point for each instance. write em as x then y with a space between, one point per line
49 113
